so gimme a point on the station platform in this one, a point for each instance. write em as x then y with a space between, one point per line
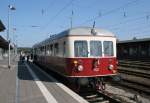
26 83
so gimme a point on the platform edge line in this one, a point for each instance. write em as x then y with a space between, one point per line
48 96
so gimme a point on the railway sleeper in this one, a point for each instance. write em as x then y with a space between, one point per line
135 66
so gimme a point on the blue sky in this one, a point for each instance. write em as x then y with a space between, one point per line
35 20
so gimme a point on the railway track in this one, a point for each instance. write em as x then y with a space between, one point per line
99 97
135 66
145 65
135 61
102 97
135 86
90 96
135 75
139 73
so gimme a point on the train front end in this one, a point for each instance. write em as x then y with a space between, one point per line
92 58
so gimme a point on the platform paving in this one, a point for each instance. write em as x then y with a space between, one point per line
26 89
7 85
18 85
7 82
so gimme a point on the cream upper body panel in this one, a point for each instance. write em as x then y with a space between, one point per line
67 38
72 39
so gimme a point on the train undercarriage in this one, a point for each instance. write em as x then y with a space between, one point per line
80 83
92 83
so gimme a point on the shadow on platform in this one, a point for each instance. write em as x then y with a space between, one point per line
24 74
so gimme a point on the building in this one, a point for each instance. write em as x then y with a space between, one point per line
2 27
136 49
3 43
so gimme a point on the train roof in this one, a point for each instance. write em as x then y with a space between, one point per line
78 31
86 31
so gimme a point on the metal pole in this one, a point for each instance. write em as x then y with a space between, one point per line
8 39
33 53
13 40
16 45
71 22
9 56
71 18
8 25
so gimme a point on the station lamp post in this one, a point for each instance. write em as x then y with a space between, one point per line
10 7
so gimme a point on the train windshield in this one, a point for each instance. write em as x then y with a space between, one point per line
81 49
95 48
108 48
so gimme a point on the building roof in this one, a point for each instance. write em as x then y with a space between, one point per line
2 27
134 40
3 43
79 31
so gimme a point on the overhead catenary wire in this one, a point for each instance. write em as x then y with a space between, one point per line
48 7
136 33
57 14
142 32
90 20
109 12
138 24
126 21
102 15
136 28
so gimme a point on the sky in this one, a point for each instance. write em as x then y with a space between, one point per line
35 20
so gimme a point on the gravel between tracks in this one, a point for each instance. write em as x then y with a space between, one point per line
126 95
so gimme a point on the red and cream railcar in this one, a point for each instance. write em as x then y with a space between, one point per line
82 53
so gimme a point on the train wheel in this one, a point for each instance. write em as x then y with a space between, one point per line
103 86
77 86
100 85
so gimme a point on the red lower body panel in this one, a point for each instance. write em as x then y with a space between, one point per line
69 66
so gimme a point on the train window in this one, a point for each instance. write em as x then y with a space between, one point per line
95 48
149 49
56 51
42 50
81 49
51 49
64 48
108 48
38 51
47 50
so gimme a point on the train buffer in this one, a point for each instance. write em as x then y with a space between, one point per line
26 84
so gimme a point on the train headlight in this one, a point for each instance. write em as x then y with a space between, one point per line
114 71
75 63
80 68
110 67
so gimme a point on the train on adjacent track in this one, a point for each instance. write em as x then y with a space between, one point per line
84 55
